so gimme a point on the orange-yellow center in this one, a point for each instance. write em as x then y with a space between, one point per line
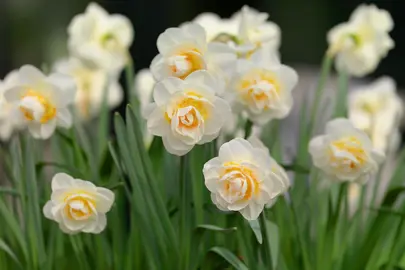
49 109
352 146
250 179
84 212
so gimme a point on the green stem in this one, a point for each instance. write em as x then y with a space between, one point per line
266 250
184 211
341 95
325 71
248 128
130 83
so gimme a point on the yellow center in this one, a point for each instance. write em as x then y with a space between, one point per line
191 99
251 181
248 86
352 146
79 207
188 62
49 109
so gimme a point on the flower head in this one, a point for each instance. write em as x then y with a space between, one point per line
100 38
77 205
377 109
187 112
91 83
244 177
185 50
361 43
262 86
345 153
255 29
41 102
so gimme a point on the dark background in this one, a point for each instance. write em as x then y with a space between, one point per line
34 31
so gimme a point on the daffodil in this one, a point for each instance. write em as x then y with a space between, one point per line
255 29
244 177
77 205
360 44
8 121
377 109
100 38
185 50
262 86
41 102
92 83
187 112
345 153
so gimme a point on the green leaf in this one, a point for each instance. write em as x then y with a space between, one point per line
255 226
229 257
274 241
208 227
7 249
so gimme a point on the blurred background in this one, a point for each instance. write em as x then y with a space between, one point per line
35 31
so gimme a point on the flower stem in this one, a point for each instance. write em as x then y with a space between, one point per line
325 71
130 83
266 249
184 211
341 95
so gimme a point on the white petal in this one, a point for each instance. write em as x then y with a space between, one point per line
101 224
47 129
47 210
64 118
197 32
159 68
30 75
164 90
237 149
211 172
252 211
288 77
84 185
104 200
122 28
62 181
175 146
203 77
157 123
14 93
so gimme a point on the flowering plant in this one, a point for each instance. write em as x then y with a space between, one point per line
195 174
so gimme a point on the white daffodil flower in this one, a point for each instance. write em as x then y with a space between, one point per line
263 87
361 43
345 153
185 50
255 29
377 110
8 122
244 177
187 112
77 205
100 38
41 102
91 83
